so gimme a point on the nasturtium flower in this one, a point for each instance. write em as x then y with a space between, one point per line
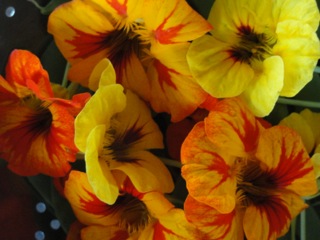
36 128
232 163
147 48
257 50
115 130
138 215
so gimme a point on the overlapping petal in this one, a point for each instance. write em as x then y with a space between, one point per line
209 173
213 224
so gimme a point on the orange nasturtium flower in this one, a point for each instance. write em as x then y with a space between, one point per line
257 50
115 130
147 47
251 177
36 129
138 215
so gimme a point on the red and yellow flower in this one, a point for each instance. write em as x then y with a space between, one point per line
134 214
36 129
247 175
147 48
257 50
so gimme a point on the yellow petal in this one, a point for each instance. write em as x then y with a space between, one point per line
263 92
103 74
215 70
287 160
106 102
298 123
208 172
302 11
316 163
146 172
313 119
173 21
99 174
137 125
299 47
227 16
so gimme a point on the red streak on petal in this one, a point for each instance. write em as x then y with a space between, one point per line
220 167
120 8
95 206
86 44
290 167
159 231
120 235
224 221
277 214
164 75
165 36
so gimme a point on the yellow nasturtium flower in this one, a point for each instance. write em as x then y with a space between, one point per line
257 50
146 41
249 179
115 130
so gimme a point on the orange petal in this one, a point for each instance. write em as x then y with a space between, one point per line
208 172
87 207
272 218
233 128
23 70
215 225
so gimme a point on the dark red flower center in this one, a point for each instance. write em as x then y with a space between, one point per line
252 46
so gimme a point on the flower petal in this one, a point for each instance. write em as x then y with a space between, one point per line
215 70
99 174
137 126
146 172
173 21
299 124
313 119
261 95
272 219
208 173
215 225
288 162
103 74
107 101
22 68
87 207
173 89
233 128
299 48
102 233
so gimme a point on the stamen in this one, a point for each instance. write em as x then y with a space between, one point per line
40 119
252 46
134 215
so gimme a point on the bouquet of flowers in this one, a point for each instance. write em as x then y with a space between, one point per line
157 94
